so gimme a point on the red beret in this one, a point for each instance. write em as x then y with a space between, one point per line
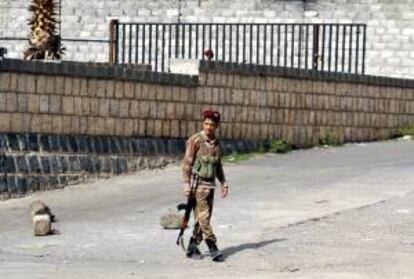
208 53
211 114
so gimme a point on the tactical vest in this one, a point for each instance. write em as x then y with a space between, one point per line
205 164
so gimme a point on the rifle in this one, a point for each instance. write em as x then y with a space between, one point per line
188 207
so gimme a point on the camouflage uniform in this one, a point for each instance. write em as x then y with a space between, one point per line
200 148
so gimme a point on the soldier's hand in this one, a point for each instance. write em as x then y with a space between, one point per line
224 189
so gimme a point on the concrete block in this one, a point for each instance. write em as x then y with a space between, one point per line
42 225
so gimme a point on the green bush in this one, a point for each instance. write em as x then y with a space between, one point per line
407 130
279 146
330 139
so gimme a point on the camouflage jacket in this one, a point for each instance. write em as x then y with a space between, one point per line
199 145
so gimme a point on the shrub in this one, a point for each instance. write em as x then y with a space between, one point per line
407 130
330 139
279 146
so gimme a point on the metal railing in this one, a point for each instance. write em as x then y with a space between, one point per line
326 47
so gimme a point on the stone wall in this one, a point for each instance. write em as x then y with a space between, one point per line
61 123
390 33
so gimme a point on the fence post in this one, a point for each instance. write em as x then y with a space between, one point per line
113 41
315 47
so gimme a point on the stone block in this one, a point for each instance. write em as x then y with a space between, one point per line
4 82
30 84
175 93
129 89
175 128
21 83
50 85
83 87
33 103
110 125
158 128
94 105
134 109
113 108
183 129
161 109
138 90
3 101
170 110
55 104
70 86
85 106
92 87
103 107
67 105
59 85
192 128
119 89
128 127
83 125
166 128
46 123
184 94
42 225
124 108
110 88
22 103
5 120
100 125
44 103
150 129
13 82
145 91
142 127
11 102
57 125
100 90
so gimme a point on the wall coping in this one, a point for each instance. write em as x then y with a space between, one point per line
137 73
142 73
264 70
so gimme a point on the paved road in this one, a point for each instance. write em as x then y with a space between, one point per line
345 212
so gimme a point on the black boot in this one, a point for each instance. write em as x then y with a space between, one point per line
192 250
215 253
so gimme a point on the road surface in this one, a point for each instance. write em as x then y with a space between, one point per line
344 212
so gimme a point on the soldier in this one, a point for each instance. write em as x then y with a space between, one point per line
203 156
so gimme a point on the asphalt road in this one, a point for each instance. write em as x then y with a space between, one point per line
345 212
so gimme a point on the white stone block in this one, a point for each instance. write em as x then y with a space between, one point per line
184 66
42 225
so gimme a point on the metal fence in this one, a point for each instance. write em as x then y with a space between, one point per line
326 47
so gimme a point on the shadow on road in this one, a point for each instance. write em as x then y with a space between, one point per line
229 251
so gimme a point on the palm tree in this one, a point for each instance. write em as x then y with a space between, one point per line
44 42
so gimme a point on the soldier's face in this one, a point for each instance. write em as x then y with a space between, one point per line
209 126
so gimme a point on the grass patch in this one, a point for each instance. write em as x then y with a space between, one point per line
279 146
331 139
237 156
274 146
407 130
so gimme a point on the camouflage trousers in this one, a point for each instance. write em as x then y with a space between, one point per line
202 213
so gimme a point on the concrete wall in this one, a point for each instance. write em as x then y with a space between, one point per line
390 30
62 123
